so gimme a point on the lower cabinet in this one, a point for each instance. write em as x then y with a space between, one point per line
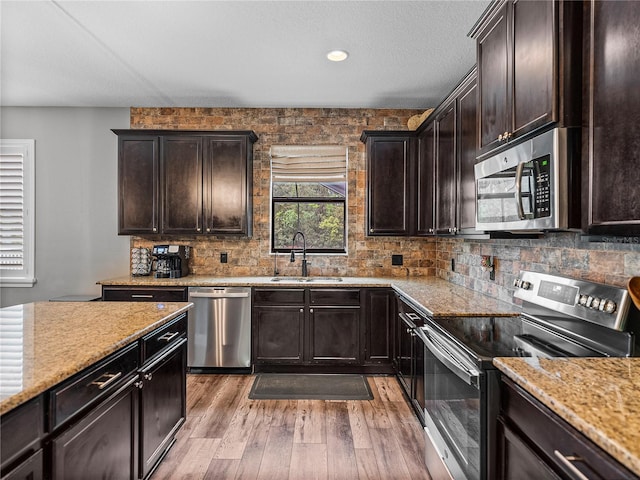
104 443
29 469
535 443
331 328
162 403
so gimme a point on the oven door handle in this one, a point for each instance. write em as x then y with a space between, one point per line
453 362
519 171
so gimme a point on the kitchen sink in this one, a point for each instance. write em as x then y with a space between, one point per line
307 279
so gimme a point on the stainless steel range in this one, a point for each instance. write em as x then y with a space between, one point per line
560 317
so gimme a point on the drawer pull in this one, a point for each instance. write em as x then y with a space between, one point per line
140 295
110 378
568 462
167 337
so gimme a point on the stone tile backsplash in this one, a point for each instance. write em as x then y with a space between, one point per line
561 253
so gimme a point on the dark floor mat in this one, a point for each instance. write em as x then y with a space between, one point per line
276 386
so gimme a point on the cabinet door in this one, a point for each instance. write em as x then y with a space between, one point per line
494 63
334 334
610 155
29 469
378 326
162 404
534 60
182 184
425 176
388 196
468 141
517 460
138 175
278 334
226 185
104 444
446 171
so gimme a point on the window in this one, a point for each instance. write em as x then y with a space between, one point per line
309 195
17 213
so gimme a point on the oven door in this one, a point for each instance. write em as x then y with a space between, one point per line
454 390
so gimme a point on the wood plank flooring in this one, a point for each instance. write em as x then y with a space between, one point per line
229 436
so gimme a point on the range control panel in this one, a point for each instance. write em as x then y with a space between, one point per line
605 305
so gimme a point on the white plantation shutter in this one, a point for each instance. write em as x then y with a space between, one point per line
17 223
11 350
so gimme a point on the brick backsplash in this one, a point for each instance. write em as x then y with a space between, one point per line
561 253
367 256
564 253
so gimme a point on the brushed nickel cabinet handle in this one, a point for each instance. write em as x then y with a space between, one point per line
139 295
568 462
110 378
167 337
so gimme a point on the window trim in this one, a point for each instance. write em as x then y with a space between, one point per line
24 277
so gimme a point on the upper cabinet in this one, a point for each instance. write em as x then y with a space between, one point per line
391 178
455 133
611 138
528 68
185 182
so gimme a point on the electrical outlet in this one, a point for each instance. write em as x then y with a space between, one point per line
396 259
453 264
224 257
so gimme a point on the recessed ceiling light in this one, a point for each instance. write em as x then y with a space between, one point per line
337 55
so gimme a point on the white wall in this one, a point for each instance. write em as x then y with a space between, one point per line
76 198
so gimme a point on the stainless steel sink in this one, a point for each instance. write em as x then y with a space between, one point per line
307 279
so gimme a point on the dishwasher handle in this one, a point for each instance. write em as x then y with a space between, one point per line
218 294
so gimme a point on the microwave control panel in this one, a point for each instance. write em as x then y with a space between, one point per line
542 173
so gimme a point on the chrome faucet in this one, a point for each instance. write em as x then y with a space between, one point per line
305 272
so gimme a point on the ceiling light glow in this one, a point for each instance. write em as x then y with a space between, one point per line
337 55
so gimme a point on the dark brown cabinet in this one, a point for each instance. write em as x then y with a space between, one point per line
611 138
446 185
451 140
528 68
425 199
162 402
104 442
391 182
185 182
311 328
20 451
380 313
138 184
535 443
127 293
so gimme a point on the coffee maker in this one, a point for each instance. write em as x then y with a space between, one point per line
171 261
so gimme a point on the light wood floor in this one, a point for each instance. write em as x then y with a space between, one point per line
229 436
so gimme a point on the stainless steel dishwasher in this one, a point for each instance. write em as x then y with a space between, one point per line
219 329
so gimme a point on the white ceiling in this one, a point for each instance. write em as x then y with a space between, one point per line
403 54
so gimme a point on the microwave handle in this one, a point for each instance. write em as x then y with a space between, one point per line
519 170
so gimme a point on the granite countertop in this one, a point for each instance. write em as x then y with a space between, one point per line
59 339
434 296
598 396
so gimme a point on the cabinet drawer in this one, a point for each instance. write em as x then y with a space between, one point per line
148 294
278 296
165 335
339 297
87 387
550 436
26 424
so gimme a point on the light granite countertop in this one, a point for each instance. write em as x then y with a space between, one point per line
54 340
600 397
434 296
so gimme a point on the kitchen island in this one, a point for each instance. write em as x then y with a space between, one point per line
79 375
596 396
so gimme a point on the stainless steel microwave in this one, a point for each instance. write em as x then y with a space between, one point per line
533 186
